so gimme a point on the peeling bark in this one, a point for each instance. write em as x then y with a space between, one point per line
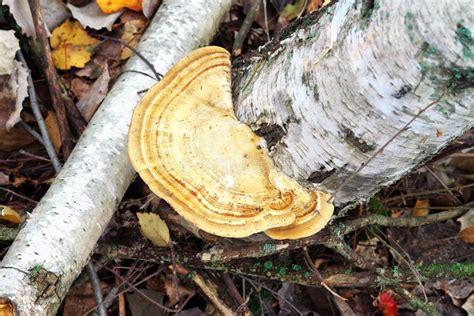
346 80
57 240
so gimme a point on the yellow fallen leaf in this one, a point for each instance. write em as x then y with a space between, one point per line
421 208
111 6
72 46
10 215
154 228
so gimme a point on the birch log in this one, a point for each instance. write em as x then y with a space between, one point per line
330 95
56 241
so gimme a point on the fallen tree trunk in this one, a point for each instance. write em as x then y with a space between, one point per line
329 95
57 240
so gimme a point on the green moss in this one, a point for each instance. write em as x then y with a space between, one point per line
191 275
269 248
464 36
453 270
307 274
444 76
296 267
409 17
376 207
267 265
282 271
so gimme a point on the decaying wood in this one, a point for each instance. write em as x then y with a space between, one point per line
331 94
56 241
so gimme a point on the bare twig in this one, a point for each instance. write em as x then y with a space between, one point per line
209 288
134 287
453 197
95 283
56 89
359 223
270 247
39 118
260 286
244 28
381 149
315 270
265 17
157 75
18 195
32 132
402 258
423 193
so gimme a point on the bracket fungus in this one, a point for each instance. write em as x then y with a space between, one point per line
189 148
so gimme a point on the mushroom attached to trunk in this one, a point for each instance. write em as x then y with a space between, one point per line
189 148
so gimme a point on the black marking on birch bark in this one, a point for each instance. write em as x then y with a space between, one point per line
320 175
355 141
272 133
403 91
368 7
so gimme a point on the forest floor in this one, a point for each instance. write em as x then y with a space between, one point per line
409 249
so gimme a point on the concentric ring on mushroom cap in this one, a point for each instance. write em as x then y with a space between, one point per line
187 145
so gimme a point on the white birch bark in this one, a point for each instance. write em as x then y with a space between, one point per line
338 89
56 241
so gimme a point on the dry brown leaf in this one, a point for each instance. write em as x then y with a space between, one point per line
54 12
80 87
154 228
13 90
175 295
91 16
421 208
79 300
469 305
142 306
107 53
132 32
149 7
19 180
4 179
72 46
89 102
314 5
466 232
51 122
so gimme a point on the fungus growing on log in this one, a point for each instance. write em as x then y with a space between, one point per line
189 148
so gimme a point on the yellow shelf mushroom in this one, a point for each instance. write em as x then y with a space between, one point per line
189 148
